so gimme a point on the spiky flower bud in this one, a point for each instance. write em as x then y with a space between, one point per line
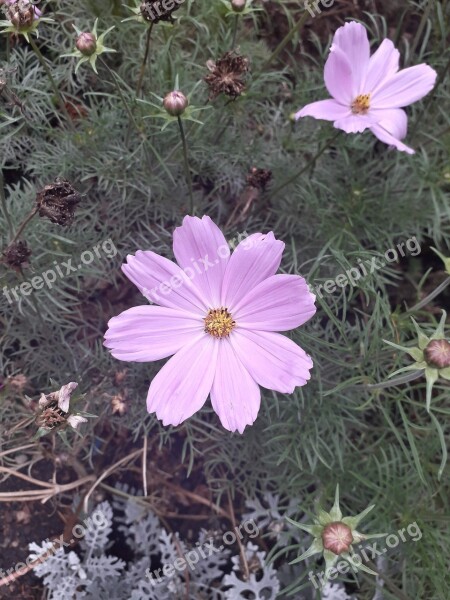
337 537
175 103
238 5
86 43
437 354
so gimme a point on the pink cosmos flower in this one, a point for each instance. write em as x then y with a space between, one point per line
368 92
219 315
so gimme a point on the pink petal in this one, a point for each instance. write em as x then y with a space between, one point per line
405 88
200 248
330 110
353 41
356 123
273 360
235 396
338 77
163 282
255 258
394 120
279 303
147 333
182 386
387 138
383 64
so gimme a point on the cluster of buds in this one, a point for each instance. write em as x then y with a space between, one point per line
334 536
54 411
57 202
431 355
89 46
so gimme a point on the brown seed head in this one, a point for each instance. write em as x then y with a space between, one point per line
227 75
57 202
16 255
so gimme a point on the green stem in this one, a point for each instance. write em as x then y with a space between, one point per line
186 164
23 225
53 83
144 60
310 164
431 296
235 31
289 36
3 202
122 97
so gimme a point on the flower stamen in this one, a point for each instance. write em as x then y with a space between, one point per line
219 323
361 105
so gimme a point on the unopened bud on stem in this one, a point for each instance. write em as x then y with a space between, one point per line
175 103
86 44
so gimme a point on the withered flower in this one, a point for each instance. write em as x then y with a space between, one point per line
16 255
259 178
54 409
227 75
57 202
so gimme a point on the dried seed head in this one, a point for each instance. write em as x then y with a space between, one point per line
54 409
437 354
57 202
175 103
227 75
86 43
259 178
337 537
238 5
16 255
21 14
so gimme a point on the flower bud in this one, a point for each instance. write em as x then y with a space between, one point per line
437 354
175 103
86 44
238 5
337 537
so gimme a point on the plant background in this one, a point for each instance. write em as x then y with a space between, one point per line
357 200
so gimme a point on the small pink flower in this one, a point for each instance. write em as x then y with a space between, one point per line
218 315
337 537
369 92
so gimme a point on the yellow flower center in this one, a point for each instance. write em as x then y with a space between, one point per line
219 322
361 105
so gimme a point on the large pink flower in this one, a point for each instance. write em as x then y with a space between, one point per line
368 92
218 315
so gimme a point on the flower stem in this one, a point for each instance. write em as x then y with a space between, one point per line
187 168
144 60
235 31
431 296
53 83
3 202
310 164
285 41
23 225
